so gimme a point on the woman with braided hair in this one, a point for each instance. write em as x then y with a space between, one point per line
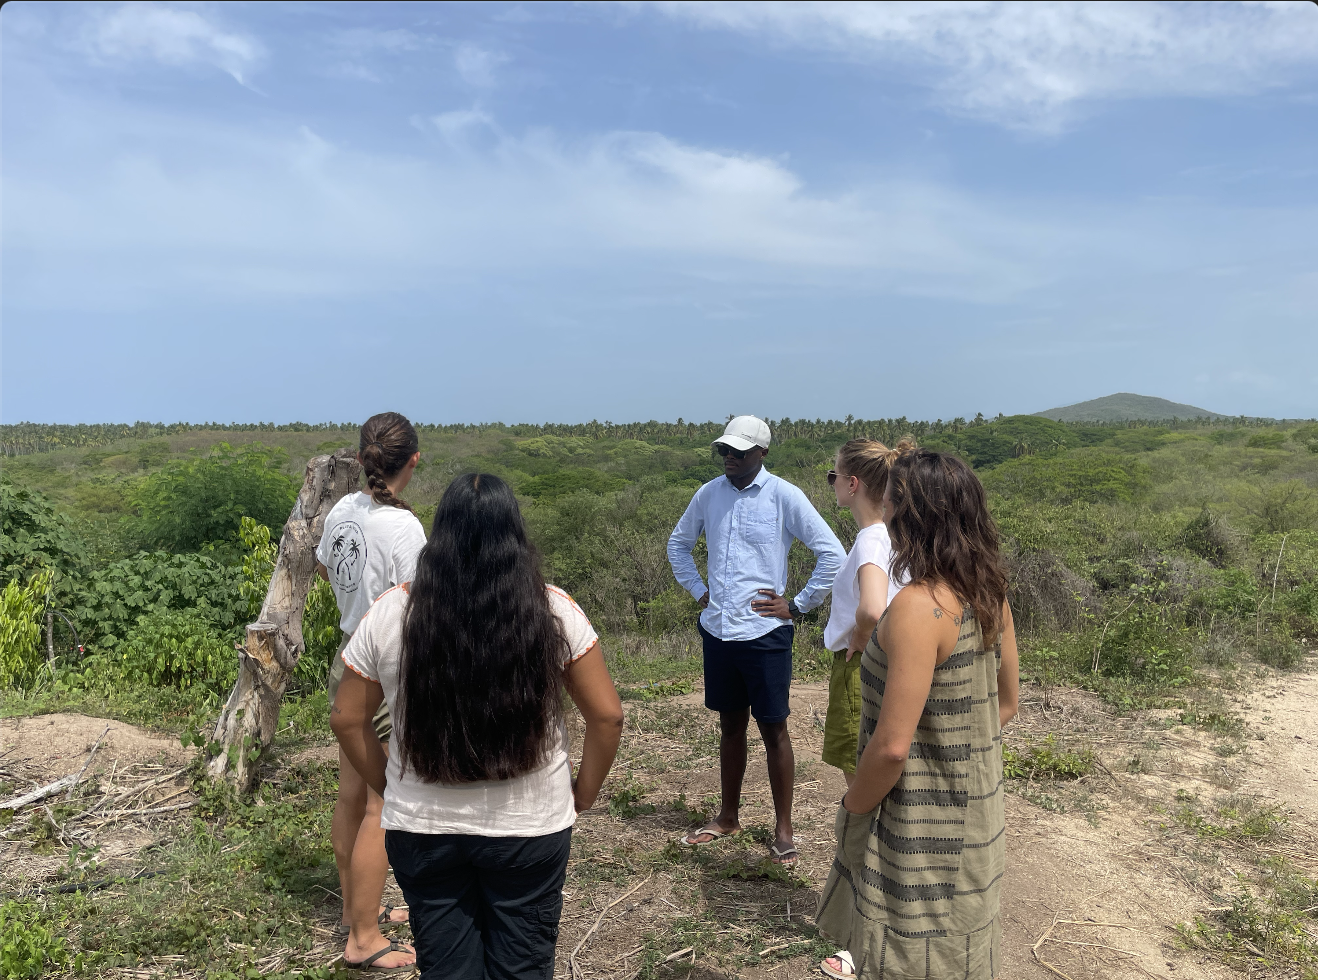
370 544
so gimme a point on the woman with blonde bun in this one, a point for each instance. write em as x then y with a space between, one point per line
861 592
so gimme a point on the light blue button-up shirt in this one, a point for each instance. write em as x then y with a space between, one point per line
749 533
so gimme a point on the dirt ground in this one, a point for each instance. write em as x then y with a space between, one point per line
1099 874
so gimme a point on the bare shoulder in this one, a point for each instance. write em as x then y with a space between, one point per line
922 606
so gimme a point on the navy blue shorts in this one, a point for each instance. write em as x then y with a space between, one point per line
755 674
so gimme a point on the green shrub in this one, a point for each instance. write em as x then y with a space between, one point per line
191 503
554 485
1267 439
34 536
177 649
111 600
1281 652
1210 537
27 948
21 609
1280 507
1047 760
1143 647
1092 475
1011 437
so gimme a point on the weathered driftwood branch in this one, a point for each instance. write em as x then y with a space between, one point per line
59 785
274 643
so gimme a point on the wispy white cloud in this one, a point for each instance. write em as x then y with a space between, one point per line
477 65
1030 65
218 203
172 37
457 125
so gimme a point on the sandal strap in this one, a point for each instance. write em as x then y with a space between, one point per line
393 947
383 917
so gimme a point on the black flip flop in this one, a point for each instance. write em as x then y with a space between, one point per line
342 930
393 947
384 918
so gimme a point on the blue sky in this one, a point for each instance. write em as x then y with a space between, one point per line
547 212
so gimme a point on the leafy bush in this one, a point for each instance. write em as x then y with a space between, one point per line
179 649
111 599
1210 537
1281 652
33 535
564 482
192 503
1046 761
27 946
1141 645
1267 439
21 608
1281 507
258 564
1092 475
1012 437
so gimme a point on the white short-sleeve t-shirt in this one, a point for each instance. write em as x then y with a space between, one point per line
368 548
532 805
872 547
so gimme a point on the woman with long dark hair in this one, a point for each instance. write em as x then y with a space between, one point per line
921 837
370 544
473 658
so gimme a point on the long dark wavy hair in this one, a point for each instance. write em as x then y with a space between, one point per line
942 532
481 679
388 442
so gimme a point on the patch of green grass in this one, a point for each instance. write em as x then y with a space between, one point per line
624 803
243 878
1234 819
1047 760
694 815
654 690
1218 721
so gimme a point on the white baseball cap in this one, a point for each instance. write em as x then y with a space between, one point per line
745 432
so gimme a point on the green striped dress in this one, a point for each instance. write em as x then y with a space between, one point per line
913 892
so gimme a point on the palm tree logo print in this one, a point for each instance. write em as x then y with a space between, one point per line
348 553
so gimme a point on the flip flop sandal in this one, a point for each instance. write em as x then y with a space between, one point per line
848 971
786 856
366 965
385 918
712 832
342 930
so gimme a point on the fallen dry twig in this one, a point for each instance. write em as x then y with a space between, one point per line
574 968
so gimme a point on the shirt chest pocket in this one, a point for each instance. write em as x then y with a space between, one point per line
760 530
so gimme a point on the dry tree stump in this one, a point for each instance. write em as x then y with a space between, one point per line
274 643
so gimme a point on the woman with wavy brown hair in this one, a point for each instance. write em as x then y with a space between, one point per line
921 837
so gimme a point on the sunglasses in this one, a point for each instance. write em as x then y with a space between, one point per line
723 450
832 477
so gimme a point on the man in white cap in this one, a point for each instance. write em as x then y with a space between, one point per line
749 518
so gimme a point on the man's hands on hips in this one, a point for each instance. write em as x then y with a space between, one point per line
772 604
704 601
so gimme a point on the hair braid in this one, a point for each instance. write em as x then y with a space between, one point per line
388 441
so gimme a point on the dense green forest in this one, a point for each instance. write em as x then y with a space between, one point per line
1143 555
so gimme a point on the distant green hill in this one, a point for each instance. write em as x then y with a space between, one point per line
1126 407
